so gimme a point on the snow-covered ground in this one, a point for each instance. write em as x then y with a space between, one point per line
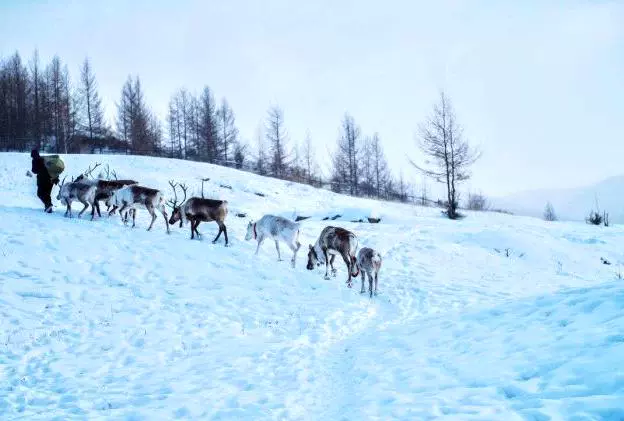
493 317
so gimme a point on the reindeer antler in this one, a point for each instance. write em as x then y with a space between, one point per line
90 170
62 182
173 203
184 189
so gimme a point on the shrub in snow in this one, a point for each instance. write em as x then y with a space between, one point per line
594 218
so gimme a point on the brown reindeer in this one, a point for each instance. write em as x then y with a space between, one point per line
331 242
198 210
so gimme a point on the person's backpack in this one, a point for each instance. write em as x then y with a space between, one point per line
55 166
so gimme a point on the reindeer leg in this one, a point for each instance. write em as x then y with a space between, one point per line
69 208
326 263
218 235
279 257
221 230
192 229
294 250
123 207
163 210
86 205
260 241
150 209
97 208
93 210
197 231
370 285
348 263
331 263
375 282
227 241
363 275
133 217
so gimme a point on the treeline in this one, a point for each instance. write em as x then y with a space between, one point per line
41 106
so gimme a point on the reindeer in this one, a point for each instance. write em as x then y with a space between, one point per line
369 263
104 187
128 197
198 210
277 228
71 191
331 242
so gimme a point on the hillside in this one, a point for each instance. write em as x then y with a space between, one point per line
493 317
570 204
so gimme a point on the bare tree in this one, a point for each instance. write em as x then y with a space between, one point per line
135 122
228 131
208 127
346 177
240 154
308 159
549 212
262 161
424 192
381 173
477 202
277 139
449 156
92 116
37 85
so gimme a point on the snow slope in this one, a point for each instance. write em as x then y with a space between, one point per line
570 204
493 317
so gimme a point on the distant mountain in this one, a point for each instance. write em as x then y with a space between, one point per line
570 204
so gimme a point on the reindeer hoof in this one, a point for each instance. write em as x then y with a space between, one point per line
326 278
349 285
362 292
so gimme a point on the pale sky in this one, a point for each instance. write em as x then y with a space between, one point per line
537 85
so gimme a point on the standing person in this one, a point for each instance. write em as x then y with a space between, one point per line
44 182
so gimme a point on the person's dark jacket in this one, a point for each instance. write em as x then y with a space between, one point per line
39 168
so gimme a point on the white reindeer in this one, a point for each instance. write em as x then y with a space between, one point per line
83 193
127 197
369 262
277 228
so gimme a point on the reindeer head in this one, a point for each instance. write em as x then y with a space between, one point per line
62 190
313 258
176 207
58 196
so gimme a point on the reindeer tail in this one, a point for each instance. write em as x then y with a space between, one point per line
376 261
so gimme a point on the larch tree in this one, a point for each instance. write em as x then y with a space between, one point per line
347 157
448 155
308 158
92 115
380 171
277 140
228 132
208 127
